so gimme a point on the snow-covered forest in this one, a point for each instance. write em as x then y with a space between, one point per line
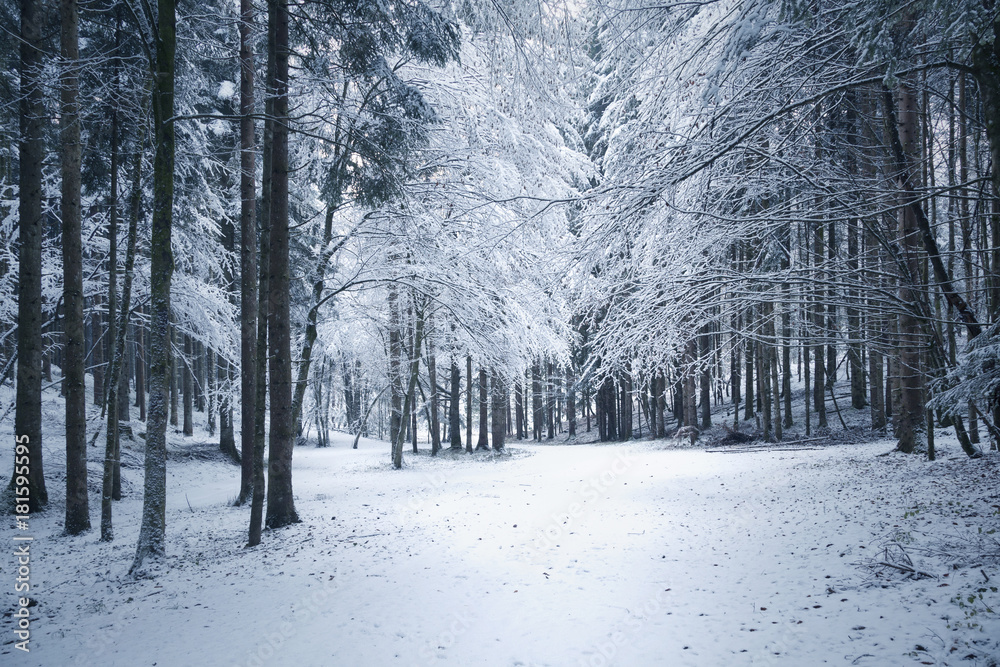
305 307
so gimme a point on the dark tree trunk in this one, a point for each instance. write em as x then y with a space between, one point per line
911 407
153 529
819 324
414 374
570 400
77 508
187 386
454 419
396 423
550 401
111 480
263 268
690 389
173 377
704 345
519 406
660 392
484 440
248 253
31 158
498 410
537 413
468 403
280 501
96 347
433 422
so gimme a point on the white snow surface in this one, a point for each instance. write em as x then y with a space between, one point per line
642 553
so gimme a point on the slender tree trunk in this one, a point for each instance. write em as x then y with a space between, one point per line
484 441
748 392
248 253
690 387
468 403
263 291
96 345
536 403
187 386
174 405
77 508
212 363
152 532
111 481
498 410
414 374
519 405
31 158
433 422
704 344
819 324
570 400
280 501
549 401
396 423
911 407
454 419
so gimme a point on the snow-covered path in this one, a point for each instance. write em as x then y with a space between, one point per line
555 555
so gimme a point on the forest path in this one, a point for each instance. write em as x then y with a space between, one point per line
585 555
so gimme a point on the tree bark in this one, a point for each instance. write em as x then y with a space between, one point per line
111 480
31 158
77 508
433 422
397 444
454 420
483 443
903 124
187 386
280 501
248 253
152 532
498 410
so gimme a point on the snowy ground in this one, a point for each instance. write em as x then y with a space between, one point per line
635 554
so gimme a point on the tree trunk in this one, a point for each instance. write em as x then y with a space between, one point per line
690 383
396 423
31 158
280 501
570 400
111 480
433 422
498 411
705 378
173 377
454 419
519 406
153 529
911 407
77 508
484 441
536 403
248 253
187 386
468 403
263 291
397 444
